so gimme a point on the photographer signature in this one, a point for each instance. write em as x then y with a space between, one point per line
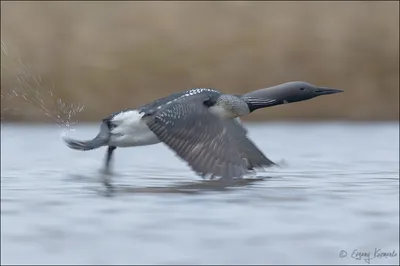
368 256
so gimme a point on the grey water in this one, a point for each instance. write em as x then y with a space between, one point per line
333 200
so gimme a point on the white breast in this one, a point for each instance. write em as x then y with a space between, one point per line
130 130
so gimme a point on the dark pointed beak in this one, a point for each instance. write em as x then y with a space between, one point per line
326 91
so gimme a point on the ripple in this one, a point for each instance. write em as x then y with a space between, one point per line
323 198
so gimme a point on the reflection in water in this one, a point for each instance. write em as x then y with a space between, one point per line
194 187
190 188
325 198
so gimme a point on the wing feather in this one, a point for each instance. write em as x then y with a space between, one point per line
209 144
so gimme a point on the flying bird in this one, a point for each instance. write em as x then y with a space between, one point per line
201 125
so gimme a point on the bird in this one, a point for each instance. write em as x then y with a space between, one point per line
202 126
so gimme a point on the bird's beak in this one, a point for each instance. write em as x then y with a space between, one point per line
326 91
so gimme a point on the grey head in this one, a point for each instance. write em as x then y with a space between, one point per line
290 92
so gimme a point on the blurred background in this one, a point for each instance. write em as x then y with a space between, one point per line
113 55
335 193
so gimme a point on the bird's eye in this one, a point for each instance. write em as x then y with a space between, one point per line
302 89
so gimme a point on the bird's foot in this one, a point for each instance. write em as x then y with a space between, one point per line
106 171
106 178
213 177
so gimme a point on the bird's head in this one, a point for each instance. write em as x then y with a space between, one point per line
297 91
289 92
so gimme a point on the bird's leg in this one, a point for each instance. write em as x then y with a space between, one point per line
213 177
106 170
109 154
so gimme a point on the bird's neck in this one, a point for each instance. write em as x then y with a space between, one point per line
255 103
229 106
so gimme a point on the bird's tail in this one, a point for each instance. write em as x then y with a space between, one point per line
84 145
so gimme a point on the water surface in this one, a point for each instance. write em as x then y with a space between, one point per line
335 194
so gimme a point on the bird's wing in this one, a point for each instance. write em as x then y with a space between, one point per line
255 158
153 106
239 122
208 143
146 107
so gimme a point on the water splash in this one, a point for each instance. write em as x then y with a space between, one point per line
27 86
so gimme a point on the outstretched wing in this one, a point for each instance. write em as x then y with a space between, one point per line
157 104
209 144
254 157
200 138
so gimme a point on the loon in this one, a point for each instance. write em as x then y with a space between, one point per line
201 125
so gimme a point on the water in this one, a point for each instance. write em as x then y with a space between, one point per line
337 193
24 85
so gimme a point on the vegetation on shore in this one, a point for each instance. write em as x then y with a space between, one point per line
113 55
